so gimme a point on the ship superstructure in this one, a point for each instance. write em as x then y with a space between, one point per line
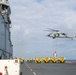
6 47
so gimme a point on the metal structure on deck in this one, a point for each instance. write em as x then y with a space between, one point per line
6 47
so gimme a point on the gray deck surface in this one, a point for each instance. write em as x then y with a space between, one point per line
48 69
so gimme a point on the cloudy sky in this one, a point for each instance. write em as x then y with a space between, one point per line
30 19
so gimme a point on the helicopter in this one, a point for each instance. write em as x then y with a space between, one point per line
58 34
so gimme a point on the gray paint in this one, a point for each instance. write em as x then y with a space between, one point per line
6 49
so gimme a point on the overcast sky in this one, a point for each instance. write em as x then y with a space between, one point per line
30 19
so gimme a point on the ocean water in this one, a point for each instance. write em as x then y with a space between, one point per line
70 61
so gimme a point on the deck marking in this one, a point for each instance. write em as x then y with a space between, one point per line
34 73
30 69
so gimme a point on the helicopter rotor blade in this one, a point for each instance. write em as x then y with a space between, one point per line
53 30
47 30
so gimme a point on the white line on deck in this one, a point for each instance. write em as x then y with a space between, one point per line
34 73
30 69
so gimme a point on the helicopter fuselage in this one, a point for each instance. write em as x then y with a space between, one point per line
60 35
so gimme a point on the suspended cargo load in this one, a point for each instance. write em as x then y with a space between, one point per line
38 60
61 60
21 60
52 60
28 60
46 60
